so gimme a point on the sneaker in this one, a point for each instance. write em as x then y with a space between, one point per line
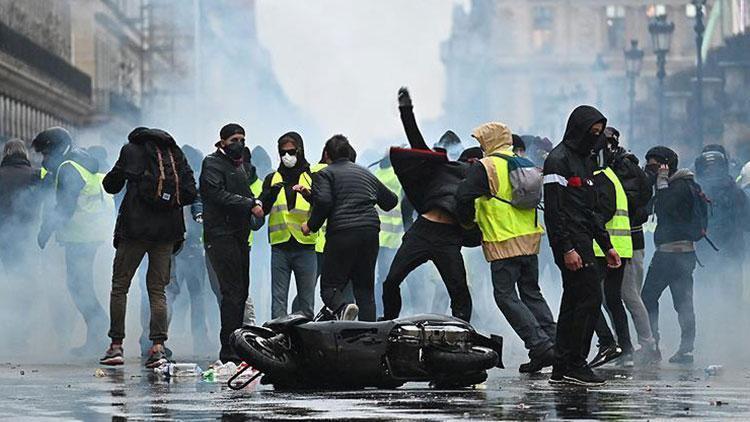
606 354
348 312
584 377
156 357
682 358
536 364
113 356
557 376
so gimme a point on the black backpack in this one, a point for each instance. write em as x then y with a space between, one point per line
159 185
698 224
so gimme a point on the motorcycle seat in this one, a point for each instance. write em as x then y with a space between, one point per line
286 321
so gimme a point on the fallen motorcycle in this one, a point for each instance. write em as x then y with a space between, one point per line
295 352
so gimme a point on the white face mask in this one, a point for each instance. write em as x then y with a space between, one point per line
289 161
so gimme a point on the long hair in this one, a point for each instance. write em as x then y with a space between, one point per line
15 147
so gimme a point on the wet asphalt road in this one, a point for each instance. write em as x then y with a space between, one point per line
69 392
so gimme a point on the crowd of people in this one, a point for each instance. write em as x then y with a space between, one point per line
337 221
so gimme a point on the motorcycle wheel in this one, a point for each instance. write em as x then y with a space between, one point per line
475 359
252 348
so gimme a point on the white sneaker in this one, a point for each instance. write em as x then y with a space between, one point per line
348 312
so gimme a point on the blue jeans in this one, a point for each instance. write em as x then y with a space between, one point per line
303 263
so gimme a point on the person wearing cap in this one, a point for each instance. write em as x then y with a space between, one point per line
147 224
674 261
230 213
81 216
287 209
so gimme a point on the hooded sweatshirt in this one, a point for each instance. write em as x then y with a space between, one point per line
481 180
569 193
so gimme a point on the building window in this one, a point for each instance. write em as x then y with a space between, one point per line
616 26
656 10
541 34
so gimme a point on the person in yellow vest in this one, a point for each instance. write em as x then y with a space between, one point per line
82 218
291 251
510 240
612 206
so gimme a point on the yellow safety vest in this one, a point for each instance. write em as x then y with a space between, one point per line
619 226
499 221
320 243
94 213
284 223
256 188
43 173
391 222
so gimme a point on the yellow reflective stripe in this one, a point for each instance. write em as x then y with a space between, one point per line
279 208
619 232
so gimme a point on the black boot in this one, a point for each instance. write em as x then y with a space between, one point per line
537 363
606 354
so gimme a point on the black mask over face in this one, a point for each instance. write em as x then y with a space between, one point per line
235 150
593 141
651 171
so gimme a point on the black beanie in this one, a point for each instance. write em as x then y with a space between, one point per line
230 129
663 155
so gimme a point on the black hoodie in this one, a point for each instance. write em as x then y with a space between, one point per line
569 194
136 219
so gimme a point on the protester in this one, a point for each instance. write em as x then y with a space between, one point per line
680 210
727 224
612 207
519 146
81 218
430 182
291 251
150 222
572 225
510 239
230 212
344 195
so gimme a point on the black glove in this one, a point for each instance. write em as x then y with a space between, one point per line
404 99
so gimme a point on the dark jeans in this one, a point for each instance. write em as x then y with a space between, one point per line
612 279
128 257
230 260
673 270
79 262
350 255
441 244
579 312
529 315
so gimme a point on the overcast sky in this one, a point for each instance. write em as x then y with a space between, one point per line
342 61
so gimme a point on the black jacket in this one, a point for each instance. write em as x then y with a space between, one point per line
19 195
673 207
137 220
569 193
227 200
67 186
728 216
345 195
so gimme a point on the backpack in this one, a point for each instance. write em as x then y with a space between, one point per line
159 185
525 181
698 225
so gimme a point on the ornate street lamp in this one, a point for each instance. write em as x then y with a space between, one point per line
661 40
700 29
633 63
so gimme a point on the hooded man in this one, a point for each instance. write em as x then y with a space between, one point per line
158 182
572 225
287 210
430 182
230 212
673 263
510 239
81 217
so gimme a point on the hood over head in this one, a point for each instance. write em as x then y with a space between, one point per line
302 164
493 137
577 130
141 135
471 154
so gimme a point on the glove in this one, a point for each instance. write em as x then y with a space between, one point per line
662 177
42 238
404 99
198 218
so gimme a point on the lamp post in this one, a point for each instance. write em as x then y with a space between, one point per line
700 29
661 40
633 63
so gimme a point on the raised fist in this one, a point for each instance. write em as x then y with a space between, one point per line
404 99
